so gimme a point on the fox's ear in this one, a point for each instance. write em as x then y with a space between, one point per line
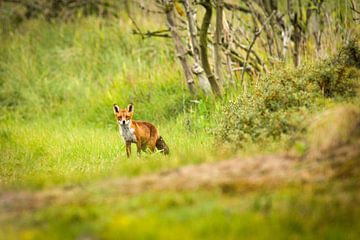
116 108
131 107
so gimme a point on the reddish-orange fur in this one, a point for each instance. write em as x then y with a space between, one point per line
146 134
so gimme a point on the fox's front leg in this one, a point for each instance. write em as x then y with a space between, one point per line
128 149
138 146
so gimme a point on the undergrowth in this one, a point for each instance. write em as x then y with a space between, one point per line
281 102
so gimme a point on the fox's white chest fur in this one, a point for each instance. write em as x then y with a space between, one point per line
128 133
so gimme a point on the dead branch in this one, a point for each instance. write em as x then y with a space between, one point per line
138 30
148 34
353 8
256 35
231 6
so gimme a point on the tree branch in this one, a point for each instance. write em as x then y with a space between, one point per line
148 34
256 35
231 6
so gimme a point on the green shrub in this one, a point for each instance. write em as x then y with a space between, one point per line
338 76
279 102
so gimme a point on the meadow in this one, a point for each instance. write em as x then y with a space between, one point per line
58 84
58 105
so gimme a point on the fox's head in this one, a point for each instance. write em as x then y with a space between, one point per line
124 116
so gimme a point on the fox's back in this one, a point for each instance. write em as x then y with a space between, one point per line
145 130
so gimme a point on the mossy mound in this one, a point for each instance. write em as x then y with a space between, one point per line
333 129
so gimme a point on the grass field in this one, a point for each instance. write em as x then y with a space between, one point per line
57 131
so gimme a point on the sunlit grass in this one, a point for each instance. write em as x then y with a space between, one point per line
44 153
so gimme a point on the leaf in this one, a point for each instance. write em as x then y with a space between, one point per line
179 8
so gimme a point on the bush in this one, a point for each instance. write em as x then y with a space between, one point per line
279 102
338 76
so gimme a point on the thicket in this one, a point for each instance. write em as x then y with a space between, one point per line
279 102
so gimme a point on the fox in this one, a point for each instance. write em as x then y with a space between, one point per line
144 134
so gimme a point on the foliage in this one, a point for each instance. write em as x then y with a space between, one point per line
280 101
338 76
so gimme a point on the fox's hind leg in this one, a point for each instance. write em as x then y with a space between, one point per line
151 145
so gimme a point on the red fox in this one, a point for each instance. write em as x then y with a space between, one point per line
144 134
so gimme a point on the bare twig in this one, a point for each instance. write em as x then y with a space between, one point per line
256 35
148 34
353 8
231 6
147 9
127 8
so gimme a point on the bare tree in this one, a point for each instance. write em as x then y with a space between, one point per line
203 47
197 69
179 48
217 42
295 18
318 24
228 40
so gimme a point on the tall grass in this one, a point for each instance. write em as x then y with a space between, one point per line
53 67
58 84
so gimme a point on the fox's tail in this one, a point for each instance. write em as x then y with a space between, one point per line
161 145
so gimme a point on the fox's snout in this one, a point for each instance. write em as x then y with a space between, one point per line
124 122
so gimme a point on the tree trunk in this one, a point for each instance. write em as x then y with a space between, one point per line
228 40
203 47
318 28
197 69
286 33
296 34
297 42
217 46
179 48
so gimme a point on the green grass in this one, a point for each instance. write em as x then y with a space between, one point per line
279 213
46 153
58 82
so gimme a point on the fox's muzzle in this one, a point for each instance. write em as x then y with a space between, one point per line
124 122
